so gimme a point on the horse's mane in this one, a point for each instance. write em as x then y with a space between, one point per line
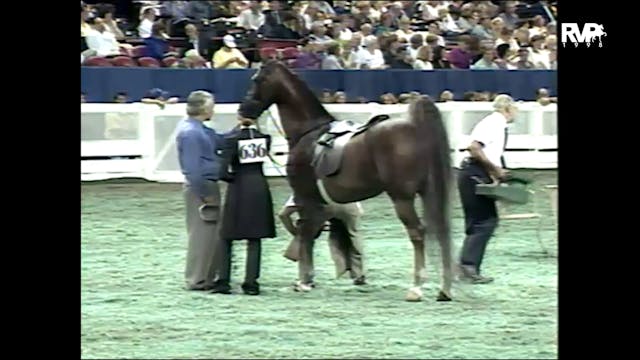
311 100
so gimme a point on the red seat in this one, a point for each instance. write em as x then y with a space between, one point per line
169 61
123 61
290 53
148 62
268 53
97 61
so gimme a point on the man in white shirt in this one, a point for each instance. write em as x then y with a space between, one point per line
251 18
101 41
485 164
148 17
370 56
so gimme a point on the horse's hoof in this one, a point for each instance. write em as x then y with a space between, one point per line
443 297
414 294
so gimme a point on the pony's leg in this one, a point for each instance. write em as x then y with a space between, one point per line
407 214
447 268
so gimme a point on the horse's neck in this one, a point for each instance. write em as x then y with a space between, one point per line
295 121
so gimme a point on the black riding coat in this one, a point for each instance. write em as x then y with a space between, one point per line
248 206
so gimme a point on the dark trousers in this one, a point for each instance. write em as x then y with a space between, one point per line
252 265
480 214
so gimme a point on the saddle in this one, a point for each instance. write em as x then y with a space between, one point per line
328 149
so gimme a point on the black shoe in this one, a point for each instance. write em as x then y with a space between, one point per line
359 281
470 275
221 288
251 289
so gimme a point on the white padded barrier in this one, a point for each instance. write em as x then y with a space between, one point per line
138 140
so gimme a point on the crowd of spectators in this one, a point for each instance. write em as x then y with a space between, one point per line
421 35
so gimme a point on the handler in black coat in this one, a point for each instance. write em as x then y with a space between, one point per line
248 207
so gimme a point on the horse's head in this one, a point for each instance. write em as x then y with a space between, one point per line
267 85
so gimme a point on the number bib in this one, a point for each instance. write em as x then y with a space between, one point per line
252 150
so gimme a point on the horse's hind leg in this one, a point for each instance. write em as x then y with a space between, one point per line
407 214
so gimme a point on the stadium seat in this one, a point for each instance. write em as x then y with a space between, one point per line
123 61
169 61
97 61
148 62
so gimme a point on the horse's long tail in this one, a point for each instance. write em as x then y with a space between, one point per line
436 161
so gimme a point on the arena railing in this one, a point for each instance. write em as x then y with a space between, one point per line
138 140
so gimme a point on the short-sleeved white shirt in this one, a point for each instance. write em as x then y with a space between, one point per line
490 132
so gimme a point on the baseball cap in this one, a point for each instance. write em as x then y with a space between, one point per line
156 93
229 41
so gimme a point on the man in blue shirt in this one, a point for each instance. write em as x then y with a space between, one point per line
200 164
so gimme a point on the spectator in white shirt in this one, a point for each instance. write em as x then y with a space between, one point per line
148 17
101 41
423 58
415 42
341 31
251 18
539 26
538 55
370 56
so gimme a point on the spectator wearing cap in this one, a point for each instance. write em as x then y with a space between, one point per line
487 61
146 23
370 56
251 18
539 56
158 97
460 57
229 57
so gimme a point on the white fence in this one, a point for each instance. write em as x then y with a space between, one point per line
137 140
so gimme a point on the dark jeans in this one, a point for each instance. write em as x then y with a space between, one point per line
480 214
252 266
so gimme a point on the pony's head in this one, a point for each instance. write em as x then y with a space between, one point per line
267 85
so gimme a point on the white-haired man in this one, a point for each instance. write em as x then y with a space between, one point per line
486 164
200 164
